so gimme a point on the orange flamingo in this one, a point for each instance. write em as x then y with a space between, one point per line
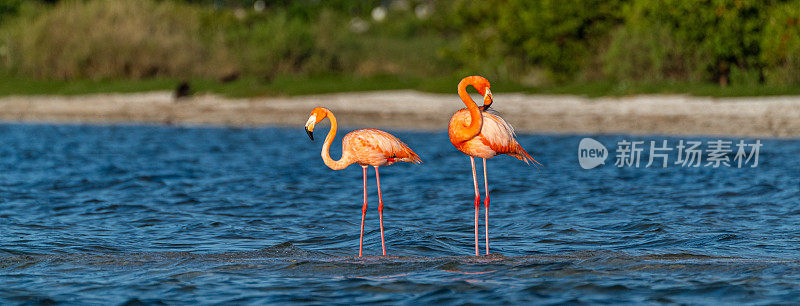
479 133
367 147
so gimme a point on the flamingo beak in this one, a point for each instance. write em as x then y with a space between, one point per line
487 99
310 126
310 134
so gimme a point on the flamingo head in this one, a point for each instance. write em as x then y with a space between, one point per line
317 115
487 99
482 85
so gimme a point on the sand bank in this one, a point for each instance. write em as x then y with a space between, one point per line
656 114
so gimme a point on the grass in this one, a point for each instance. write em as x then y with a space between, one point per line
245 87
10 85
297 85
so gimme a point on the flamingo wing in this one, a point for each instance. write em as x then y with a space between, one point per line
499 135
377 148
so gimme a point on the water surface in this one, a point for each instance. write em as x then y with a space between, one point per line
115 214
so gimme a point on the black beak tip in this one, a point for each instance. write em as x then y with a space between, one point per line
310 134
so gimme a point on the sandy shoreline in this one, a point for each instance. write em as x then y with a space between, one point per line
655 114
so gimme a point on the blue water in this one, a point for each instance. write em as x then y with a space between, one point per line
116 214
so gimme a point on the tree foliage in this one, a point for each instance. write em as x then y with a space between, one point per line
510 37
723 41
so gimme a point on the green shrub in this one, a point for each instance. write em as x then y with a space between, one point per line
780 44
8 8
508 38
273 44
647 49
113 39
284 43
281 43
711 40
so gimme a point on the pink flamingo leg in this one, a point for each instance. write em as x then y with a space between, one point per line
486 204
363 213
477 202
380 209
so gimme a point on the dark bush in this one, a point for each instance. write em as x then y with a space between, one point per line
694 41
513 38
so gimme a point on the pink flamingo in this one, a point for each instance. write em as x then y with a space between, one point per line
479 133
366 147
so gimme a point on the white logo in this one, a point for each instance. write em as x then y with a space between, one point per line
591 153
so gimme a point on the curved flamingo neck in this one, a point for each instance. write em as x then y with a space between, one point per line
326 154
476 119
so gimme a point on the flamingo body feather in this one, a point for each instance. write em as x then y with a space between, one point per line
375 148
496 137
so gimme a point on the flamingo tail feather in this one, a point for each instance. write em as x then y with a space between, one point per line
523 155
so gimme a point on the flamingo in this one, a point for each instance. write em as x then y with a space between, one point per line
479 132
366 147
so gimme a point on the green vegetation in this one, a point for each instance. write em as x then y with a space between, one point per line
116 39
728 42
587 47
